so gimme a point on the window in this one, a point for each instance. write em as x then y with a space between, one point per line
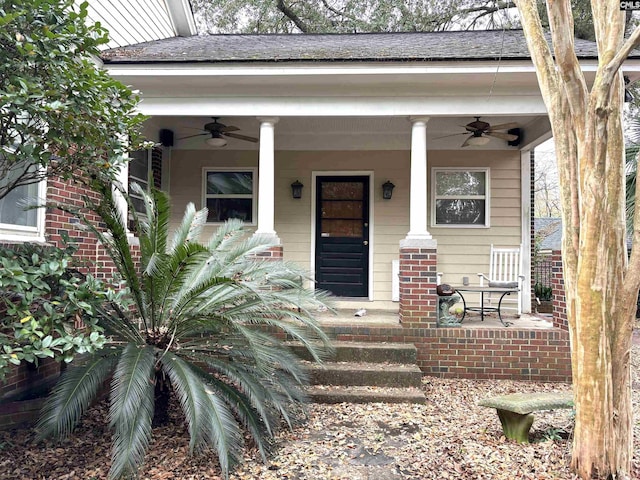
139 172
145 169
230 194
460 197
17 221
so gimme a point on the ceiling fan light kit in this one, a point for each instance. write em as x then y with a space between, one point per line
216 142
477 141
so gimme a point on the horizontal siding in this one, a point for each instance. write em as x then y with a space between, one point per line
131 21
461 251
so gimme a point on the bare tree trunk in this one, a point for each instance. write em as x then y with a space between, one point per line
600 285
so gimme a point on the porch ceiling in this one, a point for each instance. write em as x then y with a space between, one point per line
344 133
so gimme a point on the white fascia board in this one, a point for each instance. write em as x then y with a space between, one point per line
264 69
344 106
299 69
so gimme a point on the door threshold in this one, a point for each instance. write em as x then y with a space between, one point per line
351 299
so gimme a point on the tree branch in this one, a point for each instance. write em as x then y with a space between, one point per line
482 11
289 13
561 22
632 42
486 10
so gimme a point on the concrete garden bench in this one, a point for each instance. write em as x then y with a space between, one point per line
515 410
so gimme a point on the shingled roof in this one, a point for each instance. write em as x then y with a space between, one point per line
361 47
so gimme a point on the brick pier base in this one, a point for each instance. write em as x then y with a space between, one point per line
417 274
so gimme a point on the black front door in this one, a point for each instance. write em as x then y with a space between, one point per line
342 235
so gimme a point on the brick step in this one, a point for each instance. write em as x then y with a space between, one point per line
361 374
362 394
365 352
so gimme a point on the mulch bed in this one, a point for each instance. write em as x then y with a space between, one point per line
447 438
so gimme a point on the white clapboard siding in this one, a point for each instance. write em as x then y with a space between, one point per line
132 21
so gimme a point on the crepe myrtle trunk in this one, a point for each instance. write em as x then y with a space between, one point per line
601 285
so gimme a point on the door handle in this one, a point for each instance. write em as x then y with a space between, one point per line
365 242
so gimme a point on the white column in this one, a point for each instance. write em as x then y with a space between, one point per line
525 188
418 193
266 175
121 184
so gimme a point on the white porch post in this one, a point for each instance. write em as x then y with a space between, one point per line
122 181
266 175
418 193
527 264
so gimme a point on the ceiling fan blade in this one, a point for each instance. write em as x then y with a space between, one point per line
466 142
196 135
241 137
504 136
452 135
228 128
503 126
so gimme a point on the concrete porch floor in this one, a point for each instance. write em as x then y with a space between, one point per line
346 316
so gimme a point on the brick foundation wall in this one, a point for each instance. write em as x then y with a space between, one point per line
559 301
541 355
418 297
26 376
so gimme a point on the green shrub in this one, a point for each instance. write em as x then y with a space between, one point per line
48 309
543 292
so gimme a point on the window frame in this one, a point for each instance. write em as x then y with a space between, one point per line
254 192
487 196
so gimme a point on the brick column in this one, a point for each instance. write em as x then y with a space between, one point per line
557 285
418 297
272 253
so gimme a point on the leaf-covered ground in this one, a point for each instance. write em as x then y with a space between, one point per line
447 438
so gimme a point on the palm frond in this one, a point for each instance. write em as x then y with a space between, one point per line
221 430
271 394
116 242
153 231
73 394
176 273
226 234
190 227
190 389
242 377
116 322
131 410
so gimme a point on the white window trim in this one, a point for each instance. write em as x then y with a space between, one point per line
254 194
18 233
487 196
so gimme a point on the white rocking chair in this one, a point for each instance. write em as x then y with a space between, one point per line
505 271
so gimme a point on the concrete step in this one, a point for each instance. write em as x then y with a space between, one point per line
366 352
361 394
370 374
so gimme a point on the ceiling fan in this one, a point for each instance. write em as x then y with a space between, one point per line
481 131
218 131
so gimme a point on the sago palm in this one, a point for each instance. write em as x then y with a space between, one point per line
206 323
